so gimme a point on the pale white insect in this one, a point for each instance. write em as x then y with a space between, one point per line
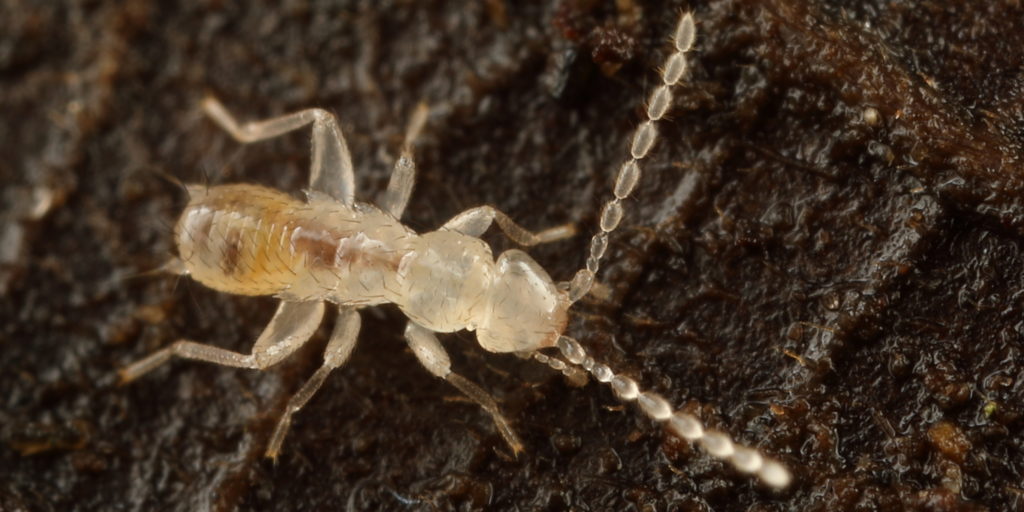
251 240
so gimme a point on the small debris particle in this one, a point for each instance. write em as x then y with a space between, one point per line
950 440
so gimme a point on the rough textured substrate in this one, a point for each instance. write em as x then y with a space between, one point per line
824 258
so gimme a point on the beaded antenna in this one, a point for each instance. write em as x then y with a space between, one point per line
686 426
332 249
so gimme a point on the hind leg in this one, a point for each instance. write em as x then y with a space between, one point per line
292 326
330 171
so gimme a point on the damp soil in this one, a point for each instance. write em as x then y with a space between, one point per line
825 257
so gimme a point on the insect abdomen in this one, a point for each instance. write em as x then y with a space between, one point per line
249 240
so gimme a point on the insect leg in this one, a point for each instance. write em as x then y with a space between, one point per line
475 221
291 327
400 186
343 340
331 168
433 356
404 175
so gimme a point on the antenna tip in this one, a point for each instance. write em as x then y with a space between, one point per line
775 474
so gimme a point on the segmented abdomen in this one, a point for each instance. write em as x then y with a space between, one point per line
251 240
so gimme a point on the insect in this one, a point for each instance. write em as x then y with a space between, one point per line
252 240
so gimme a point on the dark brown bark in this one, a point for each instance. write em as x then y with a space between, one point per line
824 257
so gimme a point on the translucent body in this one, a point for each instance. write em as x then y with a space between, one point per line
252 240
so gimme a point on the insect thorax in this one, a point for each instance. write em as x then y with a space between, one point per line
451 282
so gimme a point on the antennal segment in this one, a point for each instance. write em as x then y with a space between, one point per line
686 426
575 374
643 139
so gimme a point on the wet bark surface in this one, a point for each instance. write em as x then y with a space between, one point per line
824 257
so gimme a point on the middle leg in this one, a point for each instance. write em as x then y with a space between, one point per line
339 348
396 197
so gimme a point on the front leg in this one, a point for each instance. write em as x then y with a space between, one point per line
433 356
475 221
330 171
